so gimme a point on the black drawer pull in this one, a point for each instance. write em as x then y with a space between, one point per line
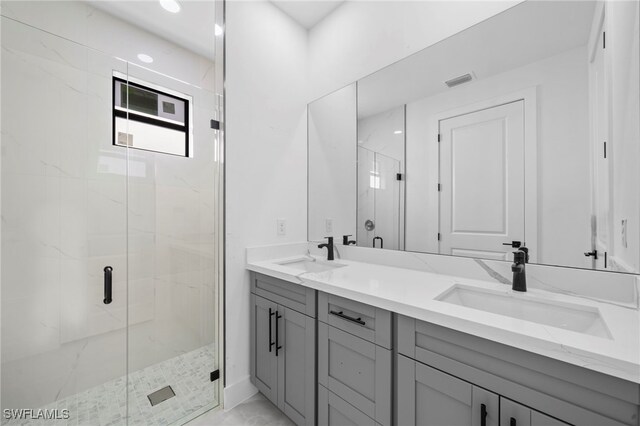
347 317
271 313
512 422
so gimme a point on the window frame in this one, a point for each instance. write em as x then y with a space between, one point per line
131 115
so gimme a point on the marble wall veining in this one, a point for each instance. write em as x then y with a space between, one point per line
73 203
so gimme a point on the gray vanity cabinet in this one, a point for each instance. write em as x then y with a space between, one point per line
548 392
429 397
283 351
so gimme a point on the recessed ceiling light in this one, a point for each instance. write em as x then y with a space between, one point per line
170 5
398 132
218 30
145 58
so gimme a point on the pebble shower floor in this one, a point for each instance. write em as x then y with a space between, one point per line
105 405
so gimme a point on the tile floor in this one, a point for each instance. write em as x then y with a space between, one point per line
256 411
105 405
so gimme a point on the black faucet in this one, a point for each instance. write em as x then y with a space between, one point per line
520 257
346 241
329 246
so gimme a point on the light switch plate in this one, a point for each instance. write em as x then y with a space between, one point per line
328 225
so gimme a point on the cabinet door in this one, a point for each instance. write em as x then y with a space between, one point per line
429 397
296 365
335 411
264 364
356 370
514 414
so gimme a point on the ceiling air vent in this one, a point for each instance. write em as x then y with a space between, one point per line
459 80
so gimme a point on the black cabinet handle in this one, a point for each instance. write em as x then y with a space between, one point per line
271 313
512 422
347 317
483 415
381 242
107 285
278 316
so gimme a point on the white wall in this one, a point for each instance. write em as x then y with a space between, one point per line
332 174
623 39
563 155
266 174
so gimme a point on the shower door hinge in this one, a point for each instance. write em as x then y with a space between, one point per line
438 137
214 375
605 149
215 124
604 39
398 176
438 236
439 187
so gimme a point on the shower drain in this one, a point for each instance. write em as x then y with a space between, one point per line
160 395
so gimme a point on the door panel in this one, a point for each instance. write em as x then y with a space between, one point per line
429 397
514 414
482 181
265 362
296 365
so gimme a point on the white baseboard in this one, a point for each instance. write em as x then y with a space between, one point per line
238 392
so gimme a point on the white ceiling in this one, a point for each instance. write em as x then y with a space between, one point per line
307 12
528 32
191 28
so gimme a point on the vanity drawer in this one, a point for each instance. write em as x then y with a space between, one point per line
294 296
365 321
335 411
356 370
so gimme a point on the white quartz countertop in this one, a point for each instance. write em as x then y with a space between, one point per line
413 293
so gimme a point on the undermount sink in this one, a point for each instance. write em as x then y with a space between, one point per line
568 316
311 265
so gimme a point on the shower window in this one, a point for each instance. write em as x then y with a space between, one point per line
150 119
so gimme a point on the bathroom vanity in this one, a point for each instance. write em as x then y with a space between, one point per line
377 344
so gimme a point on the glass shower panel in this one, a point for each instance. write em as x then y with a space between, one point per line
64 220
367 179
387 202
173 333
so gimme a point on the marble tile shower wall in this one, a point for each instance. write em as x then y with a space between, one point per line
69 209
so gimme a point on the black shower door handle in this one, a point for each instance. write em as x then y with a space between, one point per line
107 285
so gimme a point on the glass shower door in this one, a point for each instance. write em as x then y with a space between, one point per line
378 200
109 230
64 221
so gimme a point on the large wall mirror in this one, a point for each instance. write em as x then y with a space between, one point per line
521 130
